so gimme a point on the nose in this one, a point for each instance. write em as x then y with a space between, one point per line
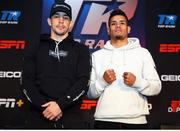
118 24
61 19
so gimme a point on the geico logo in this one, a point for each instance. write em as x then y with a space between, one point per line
10 74
10 44
10 102
149 106
172 48
88 104
170 109
170 77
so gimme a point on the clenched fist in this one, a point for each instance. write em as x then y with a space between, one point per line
129 78
109 76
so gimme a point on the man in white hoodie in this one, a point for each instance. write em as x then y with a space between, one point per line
123 74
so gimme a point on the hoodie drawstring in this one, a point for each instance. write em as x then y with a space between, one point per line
56 50
124 57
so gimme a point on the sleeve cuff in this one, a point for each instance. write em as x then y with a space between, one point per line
140 84
101 84
63 102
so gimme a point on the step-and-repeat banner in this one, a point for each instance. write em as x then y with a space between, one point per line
156 23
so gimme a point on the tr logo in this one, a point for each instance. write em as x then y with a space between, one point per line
167 21
99 12
10 15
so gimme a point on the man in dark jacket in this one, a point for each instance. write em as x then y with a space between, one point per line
55 75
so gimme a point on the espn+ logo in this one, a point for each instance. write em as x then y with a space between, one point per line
10 103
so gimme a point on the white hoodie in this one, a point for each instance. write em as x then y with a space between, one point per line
117 100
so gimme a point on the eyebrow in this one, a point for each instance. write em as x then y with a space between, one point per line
118 21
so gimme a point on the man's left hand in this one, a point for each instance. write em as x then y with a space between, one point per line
129 78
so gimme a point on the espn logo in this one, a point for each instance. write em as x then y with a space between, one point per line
175 106
11 44
88 104
171 48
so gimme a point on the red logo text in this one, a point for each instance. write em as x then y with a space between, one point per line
172 48
12 44
88 104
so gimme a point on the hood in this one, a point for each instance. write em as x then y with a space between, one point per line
132 43
47 37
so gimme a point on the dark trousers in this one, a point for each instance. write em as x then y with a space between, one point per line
117 125
35 120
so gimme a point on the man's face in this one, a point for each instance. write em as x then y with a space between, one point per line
60 23
118 28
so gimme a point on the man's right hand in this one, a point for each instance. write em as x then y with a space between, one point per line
52 111
109 76
58 117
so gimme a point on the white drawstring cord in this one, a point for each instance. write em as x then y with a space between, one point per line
57 49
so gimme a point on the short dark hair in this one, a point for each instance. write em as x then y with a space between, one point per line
117 12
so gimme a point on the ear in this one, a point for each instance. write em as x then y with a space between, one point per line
129 29
108 30
49 21
71 25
